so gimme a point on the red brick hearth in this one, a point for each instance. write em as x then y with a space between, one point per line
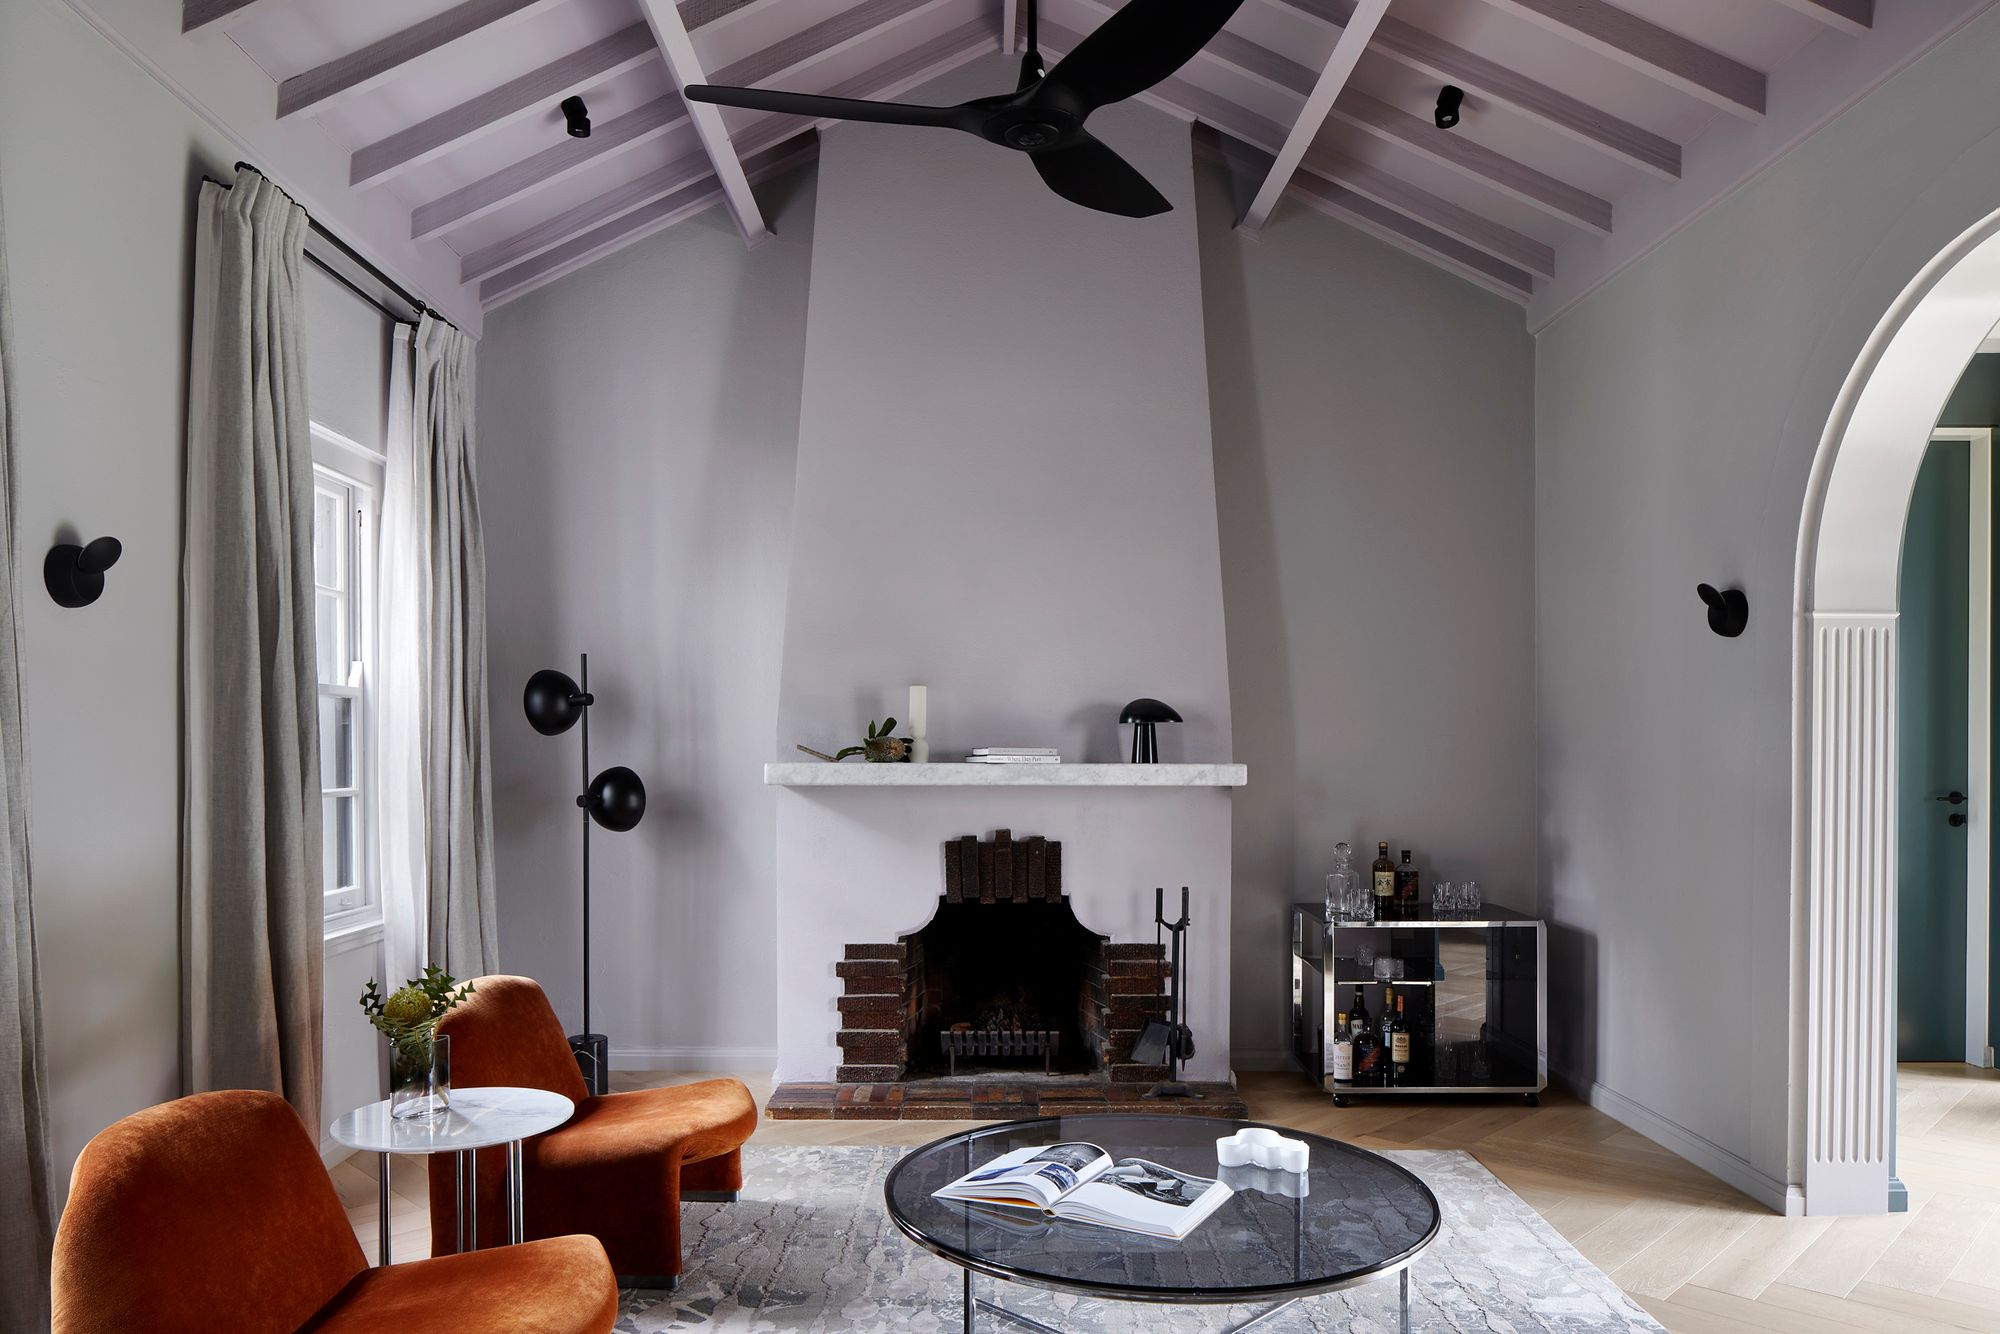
907 1004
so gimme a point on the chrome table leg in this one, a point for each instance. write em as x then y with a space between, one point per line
458 1198
1404 1280
517 1220
382 1204
970 1306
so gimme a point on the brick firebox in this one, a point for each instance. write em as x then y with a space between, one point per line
894 1003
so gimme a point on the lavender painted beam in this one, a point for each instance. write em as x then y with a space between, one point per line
199 16
358 71
1537 189
532 92
670 31
551 164
1856 18
1354 37
1658 53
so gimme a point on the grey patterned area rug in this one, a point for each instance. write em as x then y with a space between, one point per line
809 1246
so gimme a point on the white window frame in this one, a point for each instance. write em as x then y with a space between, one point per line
357 470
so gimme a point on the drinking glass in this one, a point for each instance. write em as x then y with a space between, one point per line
1468 896
1364 954
1443 896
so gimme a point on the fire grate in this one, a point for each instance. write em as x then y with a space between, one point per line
1001 1042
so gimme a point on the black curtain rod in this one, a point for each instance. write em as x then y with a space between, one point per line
416 303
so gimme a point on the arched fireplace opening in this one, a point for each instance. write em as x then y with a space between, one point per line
1005 986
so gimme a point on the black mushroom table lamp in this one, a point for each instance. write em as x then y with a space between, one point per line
615 799
1145 715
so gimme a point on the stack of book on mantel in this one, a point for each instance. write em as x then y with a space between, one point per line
1014 755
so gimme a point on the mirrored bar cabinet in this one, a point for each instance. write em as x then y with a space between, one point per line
1474 992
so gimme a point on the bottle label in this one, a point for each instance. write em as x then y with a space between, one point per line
1399 1048
1385 884
1343 1062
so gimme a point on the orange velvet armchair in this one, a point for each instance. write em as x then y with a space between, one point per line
215 1213
617 1170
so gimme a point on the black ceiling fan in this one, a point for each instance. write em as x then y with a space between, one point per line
1131 51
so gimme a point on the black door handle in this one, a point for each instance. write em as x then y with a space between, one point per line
1955 798
1957 821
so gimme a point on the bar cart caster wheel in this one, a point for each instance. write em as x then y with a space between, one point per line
1341 1100
1531 1099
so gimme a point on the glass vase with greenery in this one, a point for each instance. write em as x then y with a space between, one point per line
419 1070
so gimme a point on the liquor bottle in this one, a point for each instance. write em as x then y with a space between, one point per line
1385 880
1343 1052
1367 1052
1386 1041
1399 1047
1406 885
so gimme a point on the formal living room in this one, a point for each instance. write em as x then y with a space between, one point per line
1068 665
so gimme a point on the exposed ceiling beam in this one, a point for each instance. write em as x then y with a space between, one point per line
884 80
357 71
533 92
1572 117
216 15
1354 37
560 159
702 192
1397 229
1656 52
685 66
1537 189
1427 210
1853 17
1426 221
660 116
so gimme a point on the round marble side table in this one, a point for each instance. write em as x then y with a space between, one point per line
479 1118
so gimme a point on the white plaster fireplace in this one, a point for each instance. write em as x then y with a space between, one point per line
1006 492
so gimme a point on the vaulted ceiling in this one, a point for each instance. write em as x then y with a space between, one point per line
430 129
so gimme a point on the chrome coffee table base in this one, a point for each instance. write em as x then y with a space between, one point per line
975 1304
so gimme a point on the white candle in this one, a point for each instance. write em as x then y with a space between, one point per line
920 723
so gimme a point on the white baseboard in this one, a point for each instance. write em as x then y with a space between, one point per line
722 1060
1710 1157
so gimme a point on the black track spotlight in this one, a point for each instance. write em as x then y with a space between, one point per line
577 117
1451 97
74 575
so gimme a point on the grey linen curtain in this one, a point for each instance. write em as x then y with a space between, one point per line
24 1080
251 906
437 815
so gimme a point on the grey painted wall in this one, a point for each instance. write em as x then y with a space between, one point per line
638 425
99 231
1678 410
1005 484
1374 469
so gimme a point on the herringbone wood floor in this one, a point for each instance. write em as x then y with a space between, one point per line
1702 1258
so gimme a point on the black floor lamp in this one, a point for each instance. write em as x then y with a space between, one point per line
615 799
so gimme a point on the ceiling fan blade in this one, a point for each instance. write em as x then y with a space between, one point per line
836 108
1138 46
1088 173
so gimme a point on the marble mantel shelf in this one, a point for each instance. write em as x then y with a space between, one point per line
818 773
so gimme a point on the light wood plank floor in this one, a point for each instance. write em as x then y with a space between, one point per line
1702 1258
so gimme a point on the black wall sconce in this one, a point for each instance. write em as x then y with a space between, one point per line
615 799
1451 98
75 575
1728 609
576 117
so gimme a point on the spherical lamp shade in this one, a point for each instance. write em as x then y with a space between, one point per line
616 799
551 702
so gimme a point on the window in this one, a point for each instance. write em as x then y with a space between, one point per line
343 567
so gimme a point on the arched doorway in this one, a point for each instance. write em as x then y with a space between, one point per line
1845 725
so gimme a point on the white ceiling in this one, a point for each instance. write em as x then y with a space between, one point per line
429 129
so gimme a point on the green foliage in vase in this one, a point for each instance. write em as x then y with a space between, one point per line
877 733
409 1016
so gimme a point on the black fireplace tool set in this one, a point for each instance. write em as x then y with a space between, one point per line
1168 1040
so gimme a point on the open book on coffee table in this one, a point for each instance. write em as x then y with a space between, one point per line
1080 1182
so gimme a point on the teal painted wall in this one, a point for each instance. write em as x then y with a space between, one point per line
1976 402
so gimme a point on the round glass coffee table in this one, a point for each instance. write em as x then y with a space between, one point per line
1350 1217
